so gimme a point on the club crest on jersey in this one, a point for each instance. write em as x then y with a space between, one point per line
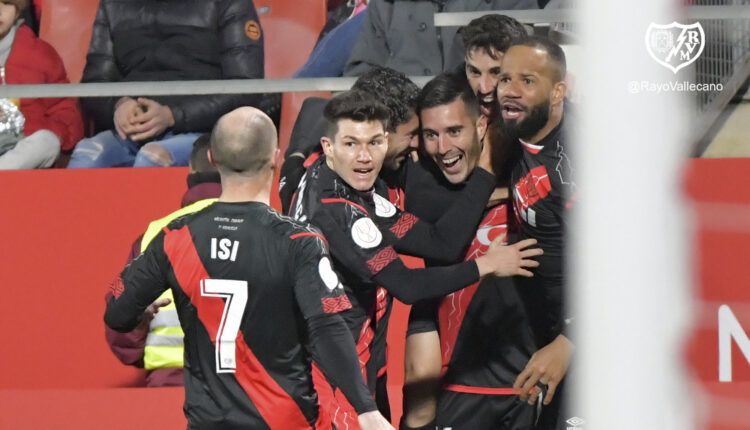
366 234
675 45
383 208
327 274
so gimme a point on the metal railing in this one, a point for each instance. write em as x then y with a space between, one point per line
725 61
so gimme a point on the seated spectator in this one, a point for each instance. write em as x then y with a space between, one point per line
50 124
142 347
332 50
401 34
144 40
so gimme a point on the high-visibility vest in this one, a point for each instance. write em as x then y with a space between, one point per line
164 347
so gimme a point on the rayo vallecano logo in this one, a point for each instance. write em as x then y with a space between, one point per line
675 45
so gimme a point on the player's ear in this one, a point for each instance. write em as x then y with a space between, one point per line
275 159
559 90
327 145
211 157
481 127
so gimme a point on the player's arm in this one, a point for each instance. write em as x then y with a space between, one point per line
446 240
382 265
320 296
139 285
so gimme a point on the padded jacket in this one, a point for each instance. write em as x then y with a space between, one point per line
171 40
34 61
401 34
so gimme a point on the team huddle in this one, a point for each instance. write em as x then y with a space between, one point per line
285 317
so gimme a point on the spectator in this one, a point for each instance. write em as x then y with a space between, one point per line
331 52
51 124
140 347
401 34
157 41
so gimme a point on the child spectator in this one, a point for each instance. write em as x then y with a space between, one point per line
49 125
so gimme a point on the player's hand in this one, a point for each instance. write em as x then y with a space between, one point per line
512 260
126 110
373 421
547 367
154 307
153 120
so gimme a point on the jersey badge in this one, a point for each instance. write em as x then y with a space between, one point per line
366 234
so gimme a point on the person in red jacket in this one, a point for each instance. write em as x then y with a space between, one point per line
51 124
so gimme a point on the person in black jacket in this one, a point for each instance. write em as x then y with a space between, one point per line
145 40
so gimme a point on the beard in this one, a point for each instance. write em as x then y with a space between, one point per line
536 119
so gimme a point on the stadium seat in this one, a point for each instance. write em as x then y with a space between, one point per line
291 30
67 25
291 103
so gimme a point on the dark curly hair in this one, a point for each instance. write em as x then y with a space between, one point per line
491 33
394 89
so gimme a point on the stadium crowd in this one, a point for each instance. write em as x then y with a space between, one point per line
472 174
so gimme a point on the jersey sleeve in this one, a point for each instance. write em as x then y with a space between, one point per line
139 284
363 250
447 239
316 285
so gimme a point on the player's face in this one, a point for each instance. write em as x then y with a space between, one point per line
402 142
357 152
452 139
8 16
483 72
524 91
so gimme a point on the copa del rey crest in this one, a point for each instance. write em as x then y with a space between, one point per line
675 45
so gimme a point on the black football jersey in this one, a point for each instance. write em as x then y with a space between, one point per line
544 189
244 279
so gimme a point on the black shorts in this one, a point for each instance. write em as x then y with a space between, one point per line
462 411
423 316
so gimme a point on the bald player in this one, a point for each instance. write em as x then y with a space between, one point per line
256 297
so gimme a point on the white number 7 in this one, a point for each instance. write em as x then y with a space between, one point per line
235 293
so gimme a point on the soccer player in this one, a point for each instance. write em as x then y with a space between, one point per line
342 195
392 88
485 339
486 39
531 92
256 295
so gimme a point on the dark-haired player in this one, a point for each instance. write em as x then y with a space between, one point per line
531 92
342 195
485 339
256 297
486 39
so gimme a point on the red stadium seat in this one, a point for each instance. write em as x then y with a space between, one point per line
67 25
291 103
291 29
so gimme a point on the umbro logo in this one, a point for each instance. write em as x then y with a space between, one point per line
575 423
